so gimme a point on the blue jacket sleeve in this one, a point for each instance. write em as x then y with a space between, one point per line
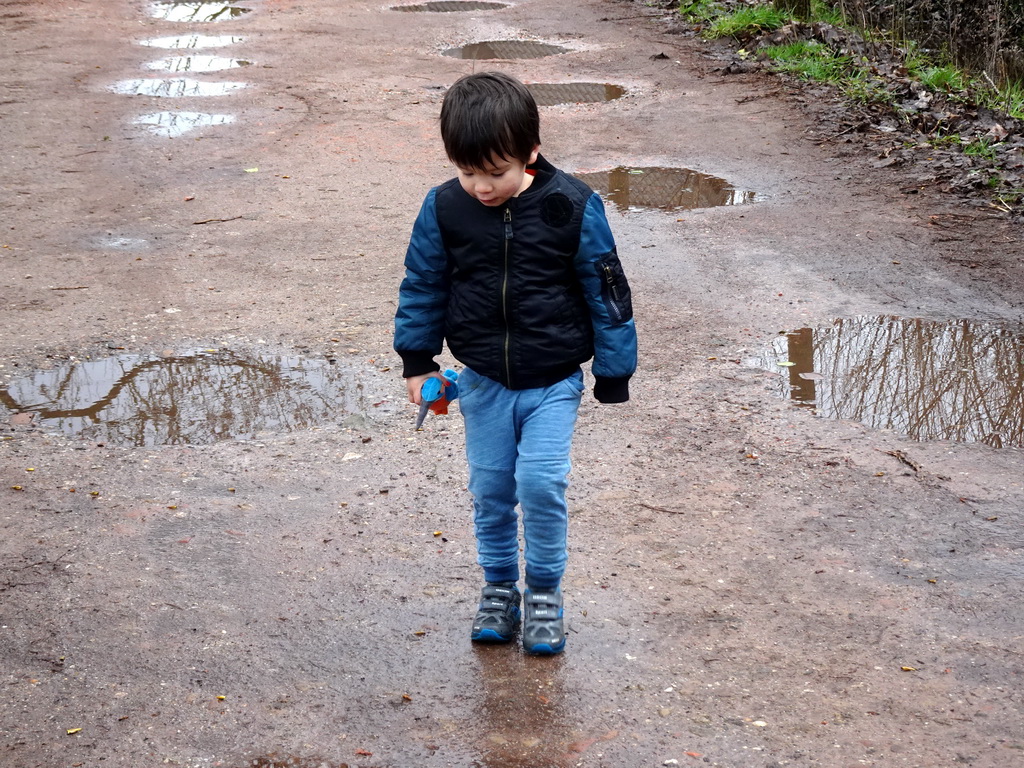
423 295
611 308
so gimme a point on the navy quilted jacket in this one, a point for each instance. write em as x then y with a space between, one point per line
522 293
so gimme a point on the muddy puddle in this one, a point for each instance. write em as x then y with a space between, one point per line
193 398
173 124
113 241
452 6
197 12
667 189
187 42
196 64
286 761
174 88
552 94
957 380
505 49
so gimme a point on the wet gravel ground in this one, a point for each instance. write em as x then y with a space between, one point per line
751 585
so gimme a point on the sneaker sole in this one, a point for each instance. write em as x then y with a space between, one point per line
490 636
543 649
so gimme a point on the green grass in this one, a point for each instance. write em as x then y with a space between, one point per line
813 61
946 140
942 78
1007 200
746 22
859 86
827 12
699 10
1008 98
980 148
809 60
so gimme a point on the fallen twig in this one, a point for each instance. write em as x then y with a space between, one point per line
211 221
661 509
902 457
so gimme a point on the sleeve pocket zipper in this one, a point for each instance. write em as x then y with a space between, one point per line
615 290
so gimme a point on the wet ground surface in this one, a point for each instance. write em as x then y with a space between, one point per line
751 584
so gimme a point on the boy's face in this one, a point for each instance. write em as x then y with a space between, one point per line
499 181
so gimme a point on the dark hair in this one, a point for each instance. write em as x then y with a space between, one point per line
487 115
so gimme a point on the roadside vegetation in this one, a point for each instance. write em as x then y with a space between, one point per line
929 96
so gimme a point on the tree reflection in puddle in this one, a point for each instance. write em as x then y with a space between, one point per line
958 380
194 398
666 189
196 11
196 64
175 87
192 41
505 49
172 124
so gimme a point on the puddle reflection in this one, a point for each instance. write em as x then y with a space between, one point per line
121 242
958 380
667 189
194 398
197 64
550 94
291 761
177 87
505 49
192 41
197 12
526 714
450 6
172 124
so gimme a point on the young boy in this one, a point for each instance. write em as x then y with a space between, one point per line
513 264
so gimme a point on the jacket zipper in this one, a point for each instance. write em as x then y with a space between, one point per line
610 279
504 297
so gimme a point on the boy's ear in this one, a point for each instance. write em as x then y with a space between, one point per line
534 154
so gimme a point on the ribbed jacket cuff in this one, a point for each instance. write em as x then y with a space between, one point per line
417 363
609 389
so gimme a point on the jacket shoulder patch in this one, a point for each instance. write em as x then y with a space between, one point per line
556 210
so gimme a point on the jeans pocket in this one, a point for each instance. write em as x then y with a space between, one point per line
575 383
470 384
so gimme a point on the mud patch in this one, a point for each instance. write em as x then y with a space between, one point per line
505 49
667 189
196 64
172 124
551 94
957 380
174 88
194 398
453 6
197 12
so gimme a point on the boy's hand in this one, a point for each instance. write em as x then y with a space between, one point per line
414 385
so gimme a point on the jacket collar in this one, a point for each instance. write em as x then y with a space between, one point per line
543 172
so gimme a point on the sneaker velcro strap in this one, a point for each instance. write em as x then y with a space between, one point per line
502 592
493 605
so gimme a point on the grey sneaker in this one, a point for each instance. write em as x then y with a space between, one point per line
497 619
543 626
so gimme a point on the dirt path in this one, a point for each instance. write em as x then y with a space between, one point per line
750 586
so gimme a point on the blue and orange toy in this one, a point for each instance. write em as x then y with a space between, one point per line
435 395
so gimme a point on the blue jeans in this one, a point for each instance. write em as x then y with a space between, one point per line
517 444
